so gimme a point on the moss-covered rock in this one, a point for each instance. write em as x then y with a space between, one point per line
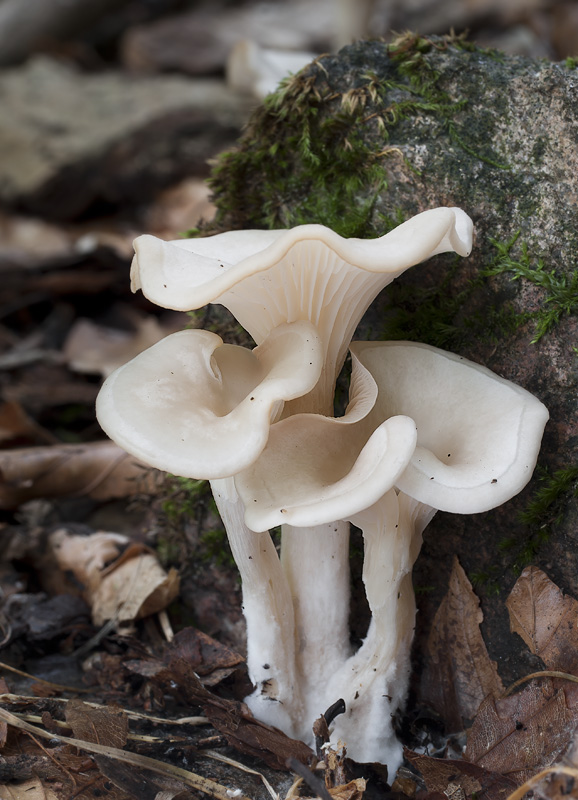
366 138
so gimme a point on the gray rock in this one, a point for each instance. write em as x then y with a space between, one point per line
377 133
68 139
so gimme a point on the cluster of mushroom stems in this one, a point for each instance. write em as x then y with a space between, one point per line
424 430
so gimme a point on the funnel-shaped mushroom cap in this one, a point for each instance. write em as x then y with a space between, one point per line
317 469
478 435
195 407
266 278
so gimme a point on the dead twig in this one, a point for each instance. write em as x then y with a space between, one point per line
57 686
547 673
535 779
191 779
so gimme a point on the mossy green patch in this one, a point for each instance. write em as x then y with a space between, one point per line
560 290
428 314
539 520
434 314
190 501
315 151
183 496
543 513
214 547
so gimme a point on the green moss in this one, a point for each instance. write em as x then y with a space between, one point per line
183 496
487 580
571 63
215 548
539 149
190 233
434 314
543 513
560 291
426 314
315 151
331 153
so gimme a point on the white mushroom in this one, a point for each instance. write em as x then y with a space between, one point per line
177 406
196 407
268 278
478 437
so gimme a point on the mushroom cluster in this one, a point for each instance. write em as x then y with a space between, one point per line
424 430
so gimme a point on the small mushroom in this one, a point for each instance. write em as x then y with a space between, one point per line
478 438
199 408
268 278
478 434
316 469
196 407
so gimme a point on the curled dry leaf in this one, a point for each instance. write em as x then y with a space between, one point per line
545 618
455 778
32 789
459 673
526 732
121 580
235 722
108 726
349 791
519 735
211 660
100 470
16 424
92 348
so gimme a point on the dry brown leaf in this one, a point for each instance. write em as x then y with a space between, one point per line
519 735
459 673
100 470
107 726
211 660
448 776
180 207
545 619
28 242
136 589
349 791
16 424
235 721
91 348
122 580
33 789
100 725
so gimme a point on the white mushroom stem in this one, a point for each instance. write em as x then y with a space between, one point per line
374 681
268 610
316 563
